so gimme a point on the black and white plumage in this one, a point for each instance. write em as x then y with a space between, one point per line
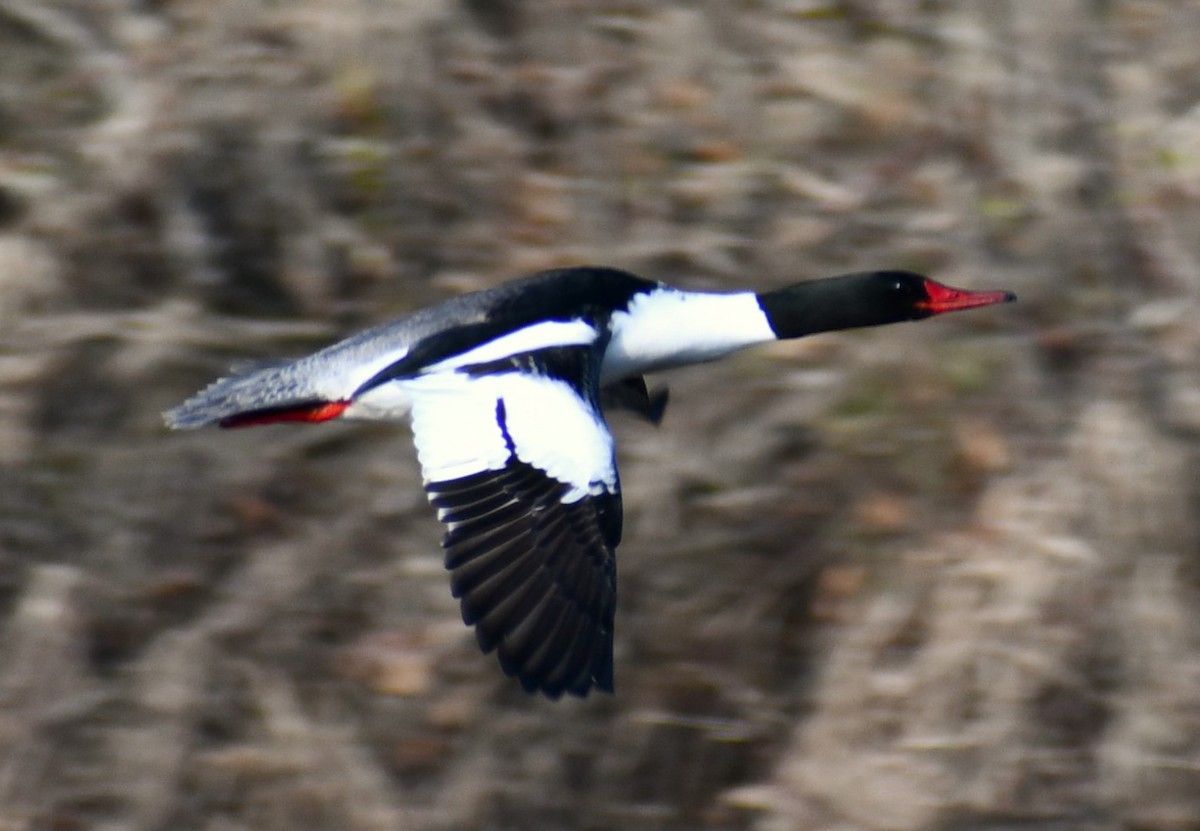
506 390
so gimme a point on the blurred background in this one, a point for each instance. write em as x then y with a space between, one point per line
934 576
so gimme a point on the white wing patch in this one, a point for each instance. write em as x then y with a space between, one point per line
543 335
392 400
554 430
454 425
457 431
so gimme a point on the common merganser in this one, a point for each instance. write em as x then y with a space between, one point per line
506 389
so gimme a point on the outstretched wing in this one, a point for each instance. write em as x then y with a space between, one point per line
519 463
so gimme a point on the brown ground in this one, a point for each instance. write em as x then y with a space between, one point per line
936 576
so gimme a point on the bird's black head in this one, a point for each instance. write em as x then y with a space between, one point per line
871 298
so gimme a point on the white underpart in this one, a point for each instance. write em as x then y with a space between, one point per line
386 402
456 431
389 401
668 328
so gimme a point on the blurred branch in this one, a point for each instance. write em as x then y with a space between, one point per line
174 323
64 32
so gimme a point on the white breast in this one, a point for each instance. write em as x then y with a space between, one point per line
668 328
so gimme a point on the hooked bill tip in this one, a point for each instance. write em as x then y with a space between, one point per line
949 299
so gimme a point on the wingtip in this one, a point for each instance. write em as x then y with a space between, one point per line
535 685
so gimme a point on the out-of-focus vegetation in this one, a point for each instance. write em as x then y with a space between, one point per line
940 576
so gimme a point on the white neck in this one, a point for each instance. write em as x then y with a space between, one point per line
668 328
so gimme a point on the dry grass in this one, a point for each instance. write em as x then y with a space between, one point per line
939 576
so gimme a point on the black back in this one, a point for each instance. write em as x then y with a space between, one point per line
461 323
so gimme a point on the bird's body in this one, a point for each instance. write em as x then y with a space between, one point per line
506 390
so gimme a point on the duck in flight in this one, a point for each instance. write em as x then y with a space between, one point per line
506 391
